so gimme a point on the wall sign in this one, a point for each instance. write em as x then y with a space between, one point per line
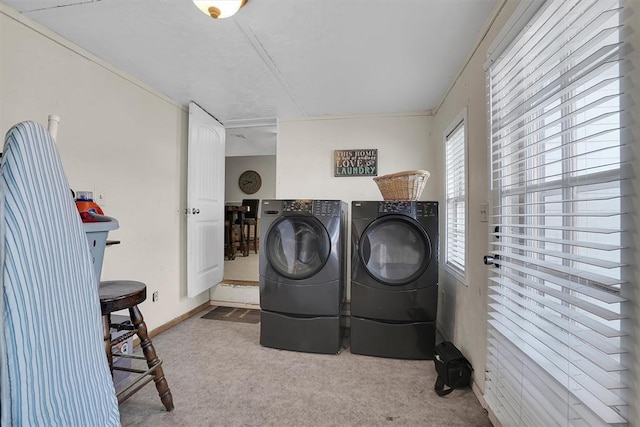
358 162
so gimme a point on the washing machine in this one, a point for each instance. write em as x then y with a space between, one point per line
302 265
394 278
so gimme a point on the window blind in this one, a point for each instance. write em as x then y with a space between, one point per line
557 303
456 199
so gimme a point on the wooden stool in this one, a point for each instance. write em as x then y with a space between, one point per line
126 294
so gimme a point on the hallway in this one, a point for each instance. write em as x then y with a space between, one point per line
242 270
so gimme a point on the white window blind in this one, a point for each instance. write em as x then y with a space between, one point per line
456 199
558 294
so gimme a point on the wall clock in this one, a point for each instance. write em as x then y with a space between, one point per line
250 182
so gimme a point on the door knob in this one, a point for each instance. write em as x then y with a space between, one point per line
195 211
491 260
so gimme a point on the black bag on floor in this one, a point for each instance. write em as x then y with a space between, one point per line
453 369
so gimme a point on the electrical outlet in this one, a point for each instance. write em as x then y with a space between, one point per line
99 196
154 298
484 208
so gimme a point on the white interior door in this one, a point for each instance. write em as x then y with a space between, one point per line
205 201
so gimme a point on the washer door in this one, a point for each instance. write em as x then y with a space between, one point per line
395 250
297 247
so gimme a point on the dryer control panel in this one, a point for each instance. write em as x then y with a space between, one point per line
401 207
413 209
426 209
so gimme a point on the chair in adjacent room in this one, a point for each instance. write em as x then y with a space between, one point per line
251 221
53 369
235 237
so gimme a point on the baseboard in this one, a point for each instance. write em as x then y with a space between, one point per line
177 320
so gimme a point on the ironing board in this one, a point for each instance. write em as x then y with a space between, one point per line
53 369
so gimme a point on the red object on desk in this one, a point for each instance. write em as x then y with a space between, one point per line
88 209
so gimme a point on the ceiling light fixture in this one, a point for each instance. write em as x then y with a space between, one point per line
220 8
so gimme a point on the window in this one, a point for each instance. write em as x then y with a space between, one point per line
559 157
456 203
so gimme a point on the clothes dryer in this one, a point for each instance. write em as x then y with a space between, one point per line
394 278
302 267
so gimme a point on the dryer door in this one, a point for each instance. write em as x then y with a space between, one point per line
395 250
297 247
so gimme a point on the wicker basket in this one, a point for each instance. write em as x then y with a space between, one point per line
407 185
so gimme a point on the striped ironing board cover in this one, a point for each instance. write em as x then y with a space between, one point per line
53 369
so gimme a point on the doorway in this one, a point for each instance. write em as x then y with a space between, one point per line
244 266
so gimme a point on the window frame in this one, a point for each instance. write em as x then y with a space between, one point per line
459 122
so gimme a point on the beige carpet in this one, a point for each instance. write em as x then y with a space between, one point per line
220 376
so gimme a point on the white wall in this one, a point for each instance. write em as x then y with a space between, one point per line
116 135
305 169
264 165
304 165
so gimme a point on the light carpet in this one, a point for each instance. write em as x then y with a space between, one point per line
219 375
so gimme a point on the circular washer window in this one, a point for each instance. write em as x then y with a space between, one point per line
395 250
297 246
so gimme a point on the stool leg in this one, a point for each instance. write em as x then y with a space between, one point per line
150 354
106 320
255 238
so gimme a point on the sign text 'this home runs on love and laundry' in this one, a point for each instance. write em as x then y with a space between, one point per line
357 162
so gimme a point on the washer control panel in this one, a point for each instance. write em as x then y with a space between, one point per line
298 206
326 208
316 208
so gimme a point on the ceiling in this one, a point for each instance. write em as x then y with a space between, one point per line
279 58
